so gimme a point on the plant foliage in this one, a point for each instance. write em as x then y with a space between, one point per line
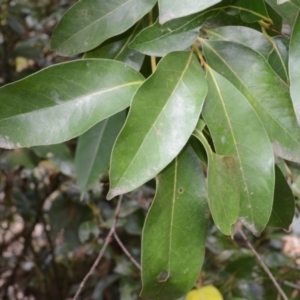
227 74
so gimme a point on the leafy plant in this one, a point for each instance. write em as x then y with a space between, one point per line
225 92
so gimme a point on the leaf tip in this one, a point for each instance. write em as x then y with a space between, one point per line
113 192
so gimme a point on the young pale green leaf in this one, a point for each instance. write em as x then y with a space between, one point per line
117 48
174 9
284 204
222 187
264 89
288 9
252 11
178 34
278 57
63 101
239 133
173 242
243 35
88 23
294 66
94 149
163 115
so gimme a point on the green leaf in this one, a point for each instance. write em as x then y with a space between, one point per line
266 92
173 9
284 204
287 9
274 49
239 133
294 66
198 149
222 187
173 243
88 23
178 34
153 135
94 149
242 35
117 48
63 101
278 57
252 11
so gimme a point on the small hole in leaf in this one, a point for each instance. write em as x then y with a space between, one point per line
180 190
163 276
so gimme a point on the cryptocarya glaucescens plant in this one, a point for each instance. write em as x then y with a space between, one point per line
170 90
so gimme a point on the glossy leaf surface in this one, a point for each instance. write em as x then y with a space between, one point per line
117 48
153 136
266 92
239 133
178 34
88 23
63 101
94 149
284 204
173 242
242 35
174 9
294 66
222 187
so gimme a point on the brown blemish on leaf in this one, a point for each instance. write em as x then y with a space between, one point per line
180 190
163 276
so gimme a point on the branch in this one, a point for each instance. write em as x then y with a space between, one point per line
101 253
126 251
263 265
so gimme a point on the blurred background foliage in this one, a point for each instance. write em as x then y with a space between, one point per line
51 233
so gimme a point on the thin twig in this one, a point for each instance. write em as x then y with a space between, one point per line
101 253
263 265
126 251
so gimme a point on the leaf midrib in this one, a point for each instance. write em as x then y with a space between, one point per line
162 111
91 24
257 102
75 100
234 141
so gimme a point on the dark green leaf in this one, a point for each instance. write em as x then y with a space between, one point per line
173 243
153 135
117 48
222 187
242 35
252 11
198 149
88 23
239 133
63 101
278 57
94 149
294 66
266 92
178 34
284 204
173 9
287 9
